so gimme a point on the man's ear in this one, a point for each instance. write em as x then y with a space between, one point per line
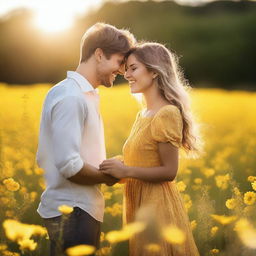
98 54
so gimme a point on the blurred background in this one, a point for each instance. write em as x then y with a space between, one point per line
215 39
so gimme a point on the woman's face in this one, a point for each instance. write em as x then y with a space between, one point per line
139 78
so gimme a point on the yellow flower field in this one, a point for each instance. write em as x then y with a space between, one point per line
219 188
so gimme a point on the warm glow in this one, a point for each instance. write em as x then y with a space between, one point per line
53 21
59 15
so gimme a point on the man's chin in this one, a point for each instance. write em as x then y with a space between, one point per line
108 84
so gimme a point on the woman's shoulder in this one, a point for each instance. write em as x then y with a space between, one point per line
168 111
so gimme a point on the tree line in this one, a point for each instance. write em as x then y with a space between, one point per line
215 42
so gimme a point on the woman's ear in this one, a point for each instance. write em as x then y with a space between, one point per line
155 75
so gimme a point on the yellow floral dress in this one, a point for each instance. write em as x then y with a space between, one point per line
157 204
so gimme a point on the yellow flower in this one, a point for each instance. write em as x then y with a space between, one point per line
249 198
231 203
17 231
187 201
246 233
33 195
80 250
224 220
193 224
152 247
115 210
173 235
188 205
214 251
251 178
208 172
39 230
11 185
65 209
107 195
116 236
198 181
39 171
128 231
181 186
222 181
27 244
214 230
186 197
237 191
134 227
254 185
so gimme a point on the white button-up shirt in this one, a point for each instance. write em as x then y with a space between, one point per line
71 134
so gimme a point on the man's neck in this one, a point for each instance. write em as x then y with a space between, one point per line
88 71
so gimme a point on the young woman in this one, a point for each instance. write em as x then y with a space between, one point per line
150 153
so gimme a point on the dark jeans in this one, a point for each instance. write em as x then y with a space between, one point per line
74 229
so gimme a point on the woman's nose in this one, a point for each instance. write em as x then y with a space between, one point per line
126 75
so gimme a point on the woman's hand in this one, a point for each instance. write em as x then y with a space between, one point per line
114 168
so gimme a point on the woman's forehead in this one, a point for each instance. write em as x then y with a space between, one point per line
131 60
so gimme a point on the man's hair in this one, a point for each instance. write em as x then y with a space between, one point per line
106 37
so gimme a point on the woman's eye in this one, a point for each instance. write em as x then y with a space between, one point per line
134 69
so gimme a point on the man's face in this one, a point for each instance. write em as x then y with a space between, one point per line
109 68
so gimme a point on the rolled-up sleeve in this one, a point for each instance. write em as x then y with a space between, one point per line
67 124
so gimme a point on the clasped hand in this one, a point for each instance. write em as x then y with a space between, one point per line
114 167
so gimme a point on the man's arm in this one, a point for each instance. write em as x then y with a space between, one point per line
67 124
89 175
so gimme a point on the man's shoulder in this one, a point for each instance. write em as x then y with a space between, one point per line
64 90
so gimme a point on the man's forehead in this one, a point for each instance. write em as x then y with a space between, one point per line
119 55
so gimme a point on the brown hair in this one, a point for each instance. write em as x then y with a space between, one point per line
106 37
172 85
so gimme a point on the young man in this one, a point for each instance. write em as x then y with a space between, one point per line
71 141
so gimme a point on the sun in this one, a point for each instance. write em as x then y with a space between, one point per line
57 15
53 21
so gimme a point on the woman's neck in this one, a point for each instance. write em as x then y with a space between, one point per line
154 99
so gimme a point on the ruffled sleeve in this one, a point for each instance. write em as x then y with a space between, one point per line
167 125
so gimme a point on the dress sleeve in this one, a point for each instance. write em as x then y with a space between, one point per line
167 126
119 157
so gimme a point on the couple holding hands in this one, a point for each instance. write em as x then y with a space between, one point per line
71 146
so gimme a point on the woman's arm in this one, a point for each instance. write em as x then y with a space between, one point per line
166 172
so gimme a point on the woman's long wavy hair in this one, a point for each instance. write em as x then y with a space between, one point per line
172 85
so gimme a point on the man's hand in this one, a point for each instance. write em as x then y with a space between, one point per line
89 175
110 180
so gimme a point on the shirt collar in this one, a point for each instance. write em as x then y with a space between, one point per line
81 81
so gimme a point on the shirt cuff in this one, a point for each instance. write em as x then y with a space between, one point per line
72 167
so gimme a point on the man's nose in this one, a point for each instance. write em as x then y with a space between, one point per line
121 69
